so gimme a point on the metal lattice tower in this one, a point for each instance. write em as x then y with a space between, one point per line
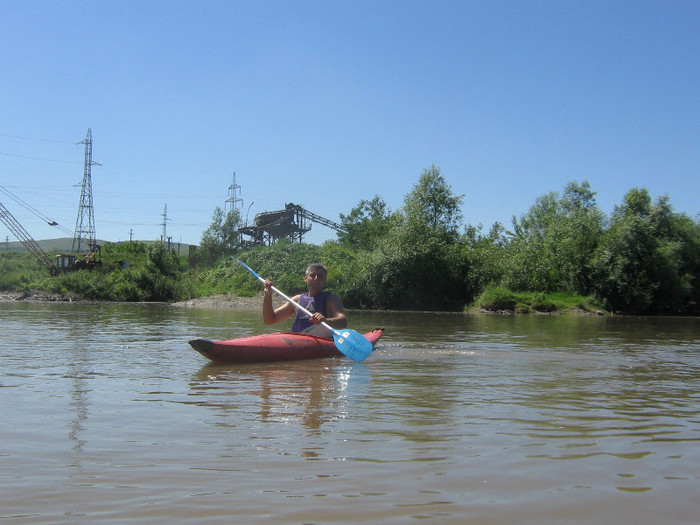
234 197
84 236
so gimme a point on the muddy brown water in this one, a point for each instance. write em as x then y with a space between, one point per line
108 416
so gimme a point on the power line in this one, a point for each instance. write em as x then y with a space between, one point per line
33 210
38 158
35 139
29 157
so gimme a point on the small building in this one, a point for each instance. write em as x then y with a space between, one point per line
65 262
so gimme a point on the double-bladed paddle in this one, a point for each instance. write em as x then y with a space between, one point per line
351 343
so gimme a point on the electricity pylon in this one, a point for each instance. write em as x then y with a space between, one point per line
84 235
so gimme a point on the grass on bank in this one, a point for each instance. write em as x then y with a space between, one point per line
500 299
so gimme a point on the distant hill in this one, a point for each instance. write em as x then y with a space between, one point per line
62 245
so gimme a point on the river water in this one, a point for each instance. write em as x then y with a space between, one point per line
108 416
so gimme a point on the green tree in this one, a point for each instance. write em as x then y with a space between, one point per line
573 237
221 238
528 268
648 259
432 208
552 244
481 259
159 280
414 265
367 223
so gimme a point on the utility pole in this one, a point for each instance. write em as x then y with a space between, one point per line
248 212
84 235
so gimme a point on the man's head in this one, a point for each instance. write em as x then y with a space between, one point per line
315 278
318 269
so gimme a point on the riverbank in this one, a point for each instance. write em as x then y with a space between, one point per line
226 301
213 301
234 302
38 296
255 303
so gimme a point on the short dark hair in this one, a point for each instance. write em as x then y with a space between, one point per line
318 267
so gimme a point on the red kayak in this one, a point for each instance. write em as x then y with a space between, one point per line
277 346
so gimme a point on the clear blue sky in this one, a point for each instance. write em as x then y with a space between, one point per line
326 103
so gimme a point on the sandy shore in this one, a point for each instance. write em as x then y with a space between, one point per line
214 301
225 301
33 296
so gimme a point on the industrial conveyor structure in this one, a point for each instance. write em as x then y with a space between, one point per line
290 223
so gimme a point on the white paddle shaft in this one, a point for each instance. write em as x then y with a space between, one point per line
274 289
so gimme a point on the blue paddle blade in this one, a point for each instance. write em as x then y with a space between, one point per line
353 344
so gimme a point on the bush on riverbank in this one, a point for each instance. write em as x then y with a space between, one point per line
153 274
501 299
284 263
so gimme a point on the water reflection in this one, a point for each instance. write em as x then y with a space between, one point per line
79 403
310 393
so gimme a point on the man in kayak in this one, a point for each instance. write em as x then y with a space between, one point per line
325 306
